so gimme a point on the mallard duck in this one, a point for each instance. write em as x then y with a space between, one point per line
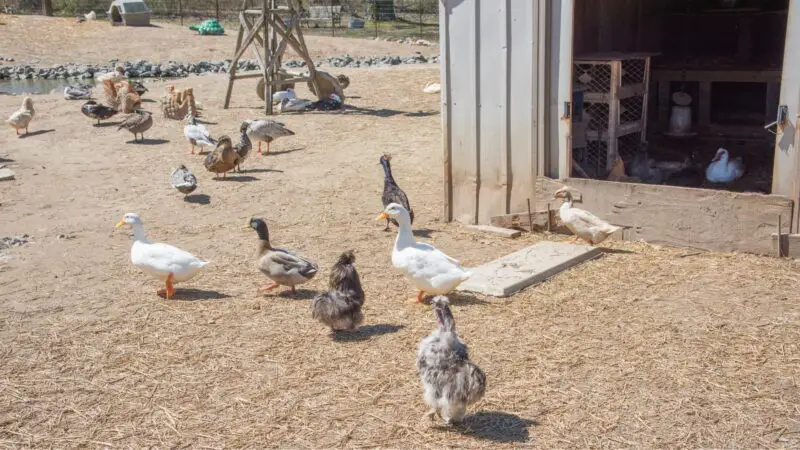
266 131
432 271
197 134
721 170
583 224
22 117
451 381
165 262
279 265
280 95
340 306
139 87
226 157
94 110
77 92
137 123
183 180
392 192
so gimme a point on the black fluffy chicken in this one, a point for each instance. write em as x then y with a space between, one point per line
340 307
392 192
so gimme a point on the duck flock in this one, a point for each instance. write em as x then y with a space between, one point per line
450 380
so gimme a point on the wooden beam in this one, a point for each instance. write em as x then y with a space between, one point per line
232 70
733 76
521 221
704 105
789 245
683 217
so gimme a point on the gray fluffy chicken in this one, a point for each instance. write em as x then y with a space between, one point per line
451 381
340 307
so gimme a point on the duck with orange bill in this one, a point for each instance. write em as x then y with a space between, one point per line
431 271
167 263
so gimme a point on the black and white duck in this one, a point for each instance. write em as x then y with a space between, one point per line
183 180
279 265
392 192
97 111
78 92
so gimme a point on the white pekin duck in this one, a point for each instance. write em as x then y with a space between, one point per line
583 224
432 271
165 262
722 170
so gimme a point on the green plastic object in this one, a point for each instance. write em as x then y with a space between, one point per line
209 26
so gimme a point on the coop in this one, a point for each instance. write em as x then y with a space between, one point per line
133 13
628 102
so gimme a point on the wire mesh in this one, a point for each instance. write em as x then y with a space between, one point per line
595 76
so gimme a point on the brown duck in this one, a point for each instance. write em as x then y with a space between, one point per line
226 157
137 123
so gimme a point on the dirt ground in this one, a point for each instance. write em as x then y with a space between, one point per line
42 40
644 347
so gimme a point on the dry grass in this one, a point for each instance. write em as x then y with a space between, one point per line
641 348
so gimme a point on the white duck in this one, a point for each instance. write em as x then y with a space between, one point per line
23 116
280 95
432 271
722 170
294 104
197 134
583 224
165 262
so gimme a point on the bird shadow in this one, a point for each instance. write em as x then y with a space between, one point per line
192 295
618 251
283 152
148 100
300 294
459 298
3 159
494 426
199 199
260 170
385 112
237 178
105 124
36 133
366 332
147 141
205 122
423 232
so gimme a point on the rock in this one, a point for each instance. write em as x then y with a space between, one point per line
13 241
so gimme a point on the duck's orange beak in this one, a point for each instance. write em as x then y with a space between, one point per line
120 224
382 216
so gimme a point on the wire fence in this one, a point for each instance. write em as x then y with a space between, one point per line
387 19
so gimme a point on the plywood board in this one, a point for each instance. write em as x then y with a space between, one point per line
531 265
790 245
684 217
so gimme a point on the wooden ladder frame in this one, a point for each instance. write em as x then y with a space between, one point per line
259 30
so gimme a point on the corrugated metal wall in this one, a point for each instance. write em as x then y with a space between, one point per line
494 98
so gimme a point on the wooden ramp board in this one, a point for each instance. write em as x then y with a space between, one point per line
531 265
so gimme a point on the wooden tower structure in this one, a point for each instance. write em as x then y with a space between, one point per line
268 29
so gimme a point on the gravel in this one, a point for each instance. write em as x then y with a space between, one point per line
146 69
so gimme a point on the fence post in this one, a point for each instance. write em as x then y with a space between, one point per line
216 7
180 10
47 6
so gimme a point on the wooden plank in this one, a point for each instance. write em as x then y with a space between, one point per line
523 94
444 80
540 131
492 110
786 165
790 245
684 217
522 220
532 265
732 76
646 85
499 231
232 72
613 115
704 104
622 93
622 130
463 89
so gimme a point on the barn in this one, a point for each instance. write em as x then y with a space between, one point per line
627 102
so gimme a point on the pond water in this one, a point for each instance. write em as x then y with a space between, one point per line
36 86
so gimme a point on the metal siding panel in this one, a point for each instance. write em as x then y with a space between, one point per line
523 109
444 73
492 107
786 168
462 90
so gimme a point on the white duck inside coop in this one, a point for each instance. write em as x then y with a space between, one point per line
609 110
